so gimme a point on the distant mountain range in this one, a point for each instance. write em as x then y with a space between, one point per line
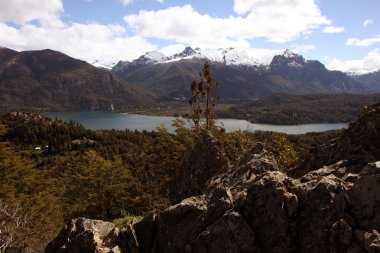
243 74
50 80
370 79
228 56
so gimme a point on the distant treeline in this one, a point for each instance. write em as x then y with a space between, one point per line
281 108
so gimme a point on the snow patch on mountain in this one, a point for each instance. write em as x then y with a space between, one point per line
242 56
294 64
99 64
260 57
289 54
155 56
228 56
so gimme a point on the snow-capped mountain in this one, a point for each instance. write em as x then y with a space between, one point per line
99 64
242 56
243 73
288 59
227 56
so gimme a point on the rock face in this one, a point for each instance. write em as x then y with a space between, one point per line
253 207
85 235
206 160
359 144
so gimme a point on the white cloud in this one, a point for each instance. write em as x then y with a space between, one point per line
107 43
126 2
333 29
370 63
90 41
307 8
363 42
23 11
277 23
299 49
274 20
367 22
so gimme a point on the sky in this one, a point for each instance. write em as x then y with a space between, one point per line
342 34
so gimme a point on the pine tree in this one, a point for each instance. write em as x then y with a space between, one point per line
203 99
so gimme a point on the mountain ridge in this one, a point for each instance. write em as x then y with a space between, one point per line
286 72
50 80
228 56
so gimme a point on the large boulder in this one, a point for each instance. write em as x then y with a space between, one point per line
85 235
206 160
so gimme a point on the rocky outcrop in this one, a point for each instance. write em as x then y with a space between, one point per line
359 144
254 207
206 160
85 235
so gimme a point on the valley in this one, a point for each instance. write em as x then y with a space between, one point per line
242 126
250 84
100 156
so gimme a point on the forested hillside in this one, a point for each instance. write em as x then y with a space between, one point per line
50 80
51 171
281 108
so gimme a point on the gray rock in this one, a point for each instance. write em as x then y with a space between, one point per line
206 160
358 145
85 235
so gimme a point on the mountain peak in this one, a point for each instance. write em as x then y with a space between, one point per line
288 59
154 56
289 54
256 57
186 53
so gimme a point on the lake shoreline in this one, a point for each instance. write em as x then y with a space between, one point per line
97 120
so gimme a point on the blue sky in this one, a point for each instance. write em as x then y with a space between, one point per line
343 34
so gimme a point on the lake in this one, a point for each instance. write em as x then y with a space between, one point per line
96 120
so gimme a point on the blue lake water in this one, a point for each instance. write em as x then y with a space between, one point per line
96 120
